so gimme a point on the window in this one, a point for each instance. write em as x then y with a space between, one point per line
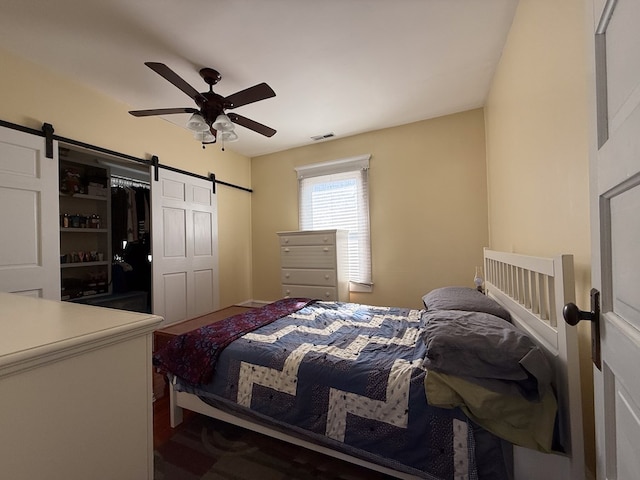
335 195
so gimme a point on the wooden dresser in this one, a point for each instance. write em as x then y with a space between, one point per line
75 391
315 264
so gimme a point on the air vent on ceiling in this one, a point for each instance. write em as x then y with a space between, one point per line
322 137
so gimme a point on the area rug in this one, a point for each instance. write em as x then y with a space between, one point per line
207 449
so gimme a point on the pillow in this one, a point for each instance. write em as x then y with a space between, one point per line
528 423
481 345
463 298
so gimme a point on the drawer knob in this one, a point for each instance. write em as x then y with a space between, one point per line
286 240
326 277
327 294
287 292
325 239
286 250
287 275
326 249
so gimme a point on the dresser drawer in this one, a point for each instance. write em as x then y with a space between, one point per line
308 239
313 256
320 293
309 277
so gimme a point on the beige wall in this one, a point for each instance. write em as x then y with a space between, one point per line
427 206
537 127
33 96
429 213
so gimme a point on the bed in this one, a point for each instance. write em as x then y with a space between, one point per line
389 360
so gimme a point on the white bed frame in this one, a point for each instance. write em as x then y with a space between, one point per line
534 290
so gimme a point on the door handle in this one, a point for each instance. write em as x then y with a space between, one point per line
573 315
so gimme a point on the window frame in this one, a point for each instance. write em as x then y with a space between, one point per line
351 164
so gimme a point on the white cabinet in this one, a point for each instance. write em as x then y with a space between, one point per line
315 264
75 390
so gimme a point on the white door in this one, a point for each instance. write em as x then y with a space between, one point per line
29 216
184 246
615 223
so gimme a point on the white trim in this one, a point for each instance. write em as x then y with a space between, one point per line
360 287
607 13
360 162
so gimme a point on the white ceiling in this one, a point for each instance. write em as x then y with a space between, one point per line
341 66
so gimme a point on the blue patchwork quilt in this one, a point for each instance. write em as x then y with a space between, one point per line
350 376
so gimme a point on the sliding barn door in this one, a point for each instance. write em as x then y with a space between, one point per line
29 233
184 245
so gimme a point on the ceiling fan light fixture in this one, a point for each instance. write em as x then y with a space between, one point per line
223 123
197 123
205 137
230 136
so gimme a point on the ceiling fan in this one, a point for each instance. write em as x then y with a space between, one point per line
210 121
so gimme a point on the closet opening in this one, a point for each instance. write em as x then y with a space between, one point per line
105 230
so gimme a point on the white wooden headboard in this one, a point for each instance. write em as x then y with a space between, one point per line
534 290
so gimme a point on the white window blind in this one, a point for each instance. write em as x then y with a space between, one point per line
336 195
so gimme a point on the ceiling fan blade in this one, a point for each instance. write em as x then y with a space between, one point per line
162 111
249 95
172 77
251 124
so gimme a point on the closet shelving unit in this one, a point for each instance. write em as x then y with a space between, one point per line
85 218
